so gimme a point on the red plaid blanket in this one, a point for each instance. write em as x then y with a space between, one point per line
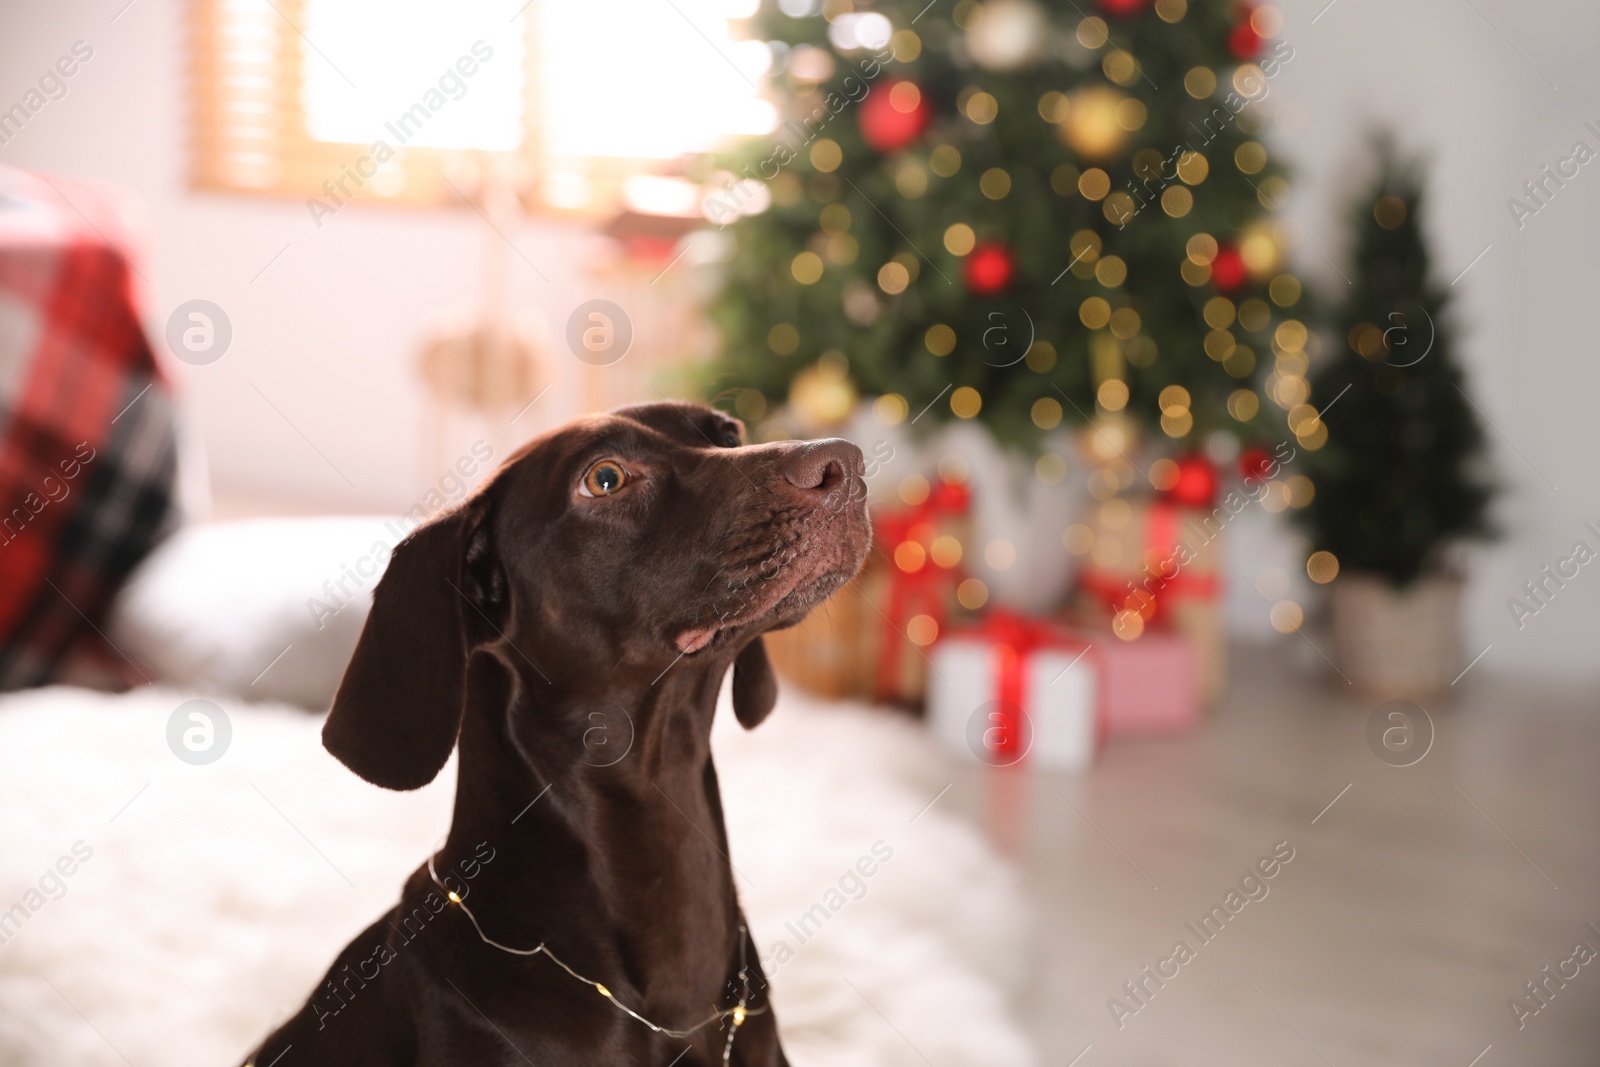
87 424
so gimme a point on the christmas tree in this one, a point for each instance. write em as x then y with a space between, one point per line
1015 212
1401 474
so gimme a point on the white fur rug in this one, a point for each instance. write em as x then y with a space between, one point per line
212 897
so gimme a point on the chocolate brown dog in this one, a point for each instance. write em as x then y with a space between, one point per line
570 626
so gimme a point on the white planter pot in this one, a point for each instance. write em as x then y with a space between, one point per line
1397 644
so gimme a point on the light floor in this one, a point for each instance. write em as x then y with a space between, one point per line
1396 935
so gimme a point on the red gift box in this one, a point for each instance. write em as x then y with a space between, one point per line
1157 577
917 583
856 645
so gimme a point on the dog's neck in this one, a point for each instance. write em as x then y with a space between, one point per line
575 835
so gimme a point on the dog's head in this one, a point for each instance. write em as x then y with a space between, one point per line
596 559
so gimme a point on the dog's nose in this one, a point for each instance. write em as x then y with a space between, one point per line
823 465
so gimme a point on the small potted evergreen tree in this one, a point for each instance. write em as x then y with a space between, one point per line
1401 479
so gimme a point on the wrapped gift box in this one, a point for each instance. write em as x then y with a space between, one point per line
1151 685
1160 561
1013 690
867 642
830 652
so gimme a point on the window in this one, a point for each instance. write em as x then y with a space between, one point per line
371 100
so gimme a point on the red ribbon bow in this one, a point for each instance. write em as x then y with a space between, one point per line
1156 587
922 587
1013 638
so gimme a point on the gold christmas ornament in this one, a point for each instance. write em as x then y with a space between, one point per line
979 106
1218 313
1119 66
891 409
1177 201
906 45
966 402
1094 184
1291 335
826 155
1092 32
1322 567
823 395
1193 168
1250 157
995 183
1112 395
1200 82
783 339
834 219
1259 249
1201 249
1091 128
1046 413
1243 404
1125 322
1041 358
1119 208
1255 315
1284 290
1240 362
1111 272
1094 312
959 239
893 278
806 268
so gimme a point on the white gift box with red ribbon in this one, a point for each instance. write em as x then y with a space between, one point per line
1017 690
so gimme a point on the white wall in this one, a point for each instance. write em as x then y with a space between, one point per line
1449 81
329 331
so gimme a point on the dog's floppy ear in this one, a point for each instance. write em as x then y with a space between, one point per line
755 688
399 705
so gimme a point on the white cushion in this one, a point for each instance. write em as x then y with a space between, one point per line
262 609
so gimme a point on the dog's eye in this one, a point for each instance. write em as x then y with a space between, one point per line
730 439
603 479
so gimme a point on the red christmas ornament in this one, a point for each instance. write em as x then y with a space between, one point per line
1254 463
888 129
1123 9
1228 270
989 268
1244 42
1196 486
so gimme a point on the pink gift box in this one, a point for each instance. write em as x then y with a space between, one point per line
1150 685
